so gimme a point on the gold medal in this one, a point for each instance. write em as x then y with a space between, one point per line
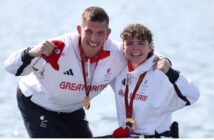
85 74
41 73
87 102
33 66
131 123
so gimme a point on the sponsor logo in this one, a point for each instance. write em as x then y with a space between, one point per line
69 72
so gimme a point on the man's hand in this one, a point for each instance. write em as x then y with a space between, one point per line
44 48
162 64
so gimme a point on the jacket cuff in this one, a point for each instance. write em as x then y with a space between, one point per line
26 58
172 75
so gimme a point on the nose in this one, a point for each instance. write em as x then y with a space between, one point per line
135 47
93 37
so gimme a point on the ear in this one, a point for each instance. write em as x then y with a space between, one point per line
151 46
79 29
108 33
123 45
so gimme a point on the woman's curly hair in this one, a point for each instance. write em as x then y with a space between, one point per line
137 30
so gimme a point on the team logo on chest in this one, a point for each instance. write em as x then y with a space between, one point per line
108 70
107 75
144 86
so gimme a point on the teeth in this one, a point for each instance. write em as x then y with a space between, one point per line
93 44
136 54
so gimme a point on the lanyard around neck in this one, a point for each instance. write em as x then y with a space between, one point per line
129 107
87 89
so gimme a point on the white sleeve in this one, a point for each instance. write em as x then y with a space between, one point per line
18 63
187 89
183 93
174 96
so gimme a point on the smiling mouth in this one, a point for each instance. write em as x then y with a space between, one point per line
136 54
93 44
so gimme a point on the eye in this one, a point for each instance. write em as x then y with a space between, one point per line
101 33
141 43
129 43
88 32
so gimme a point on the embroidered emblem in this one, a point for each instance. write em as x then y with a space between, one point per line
43 121
107 75
108 70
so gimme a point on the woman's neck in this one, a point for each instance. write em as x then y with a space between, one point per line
134 66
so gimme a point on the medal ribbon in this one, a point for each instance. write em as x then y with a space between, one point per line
87 91
129 107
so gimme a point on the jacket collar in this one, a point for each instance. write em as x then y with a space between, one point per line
146 66
102 54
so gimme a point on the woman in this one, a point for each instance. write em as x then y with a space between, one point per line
145 98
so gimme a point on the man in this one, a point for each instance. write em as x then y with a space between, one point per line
63 74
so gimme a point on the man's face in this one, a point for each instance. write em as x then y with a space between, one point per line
93 36
137 50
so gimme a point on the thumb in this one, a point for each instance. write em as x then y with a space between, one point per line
154 67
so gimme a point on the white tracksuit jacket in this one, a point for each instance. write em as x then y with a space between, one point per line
63 90
155 99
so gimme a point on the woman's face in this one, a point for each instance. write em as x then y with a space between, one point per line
137 50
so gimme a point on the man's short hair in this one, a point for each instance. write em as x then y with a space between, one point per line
95 14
